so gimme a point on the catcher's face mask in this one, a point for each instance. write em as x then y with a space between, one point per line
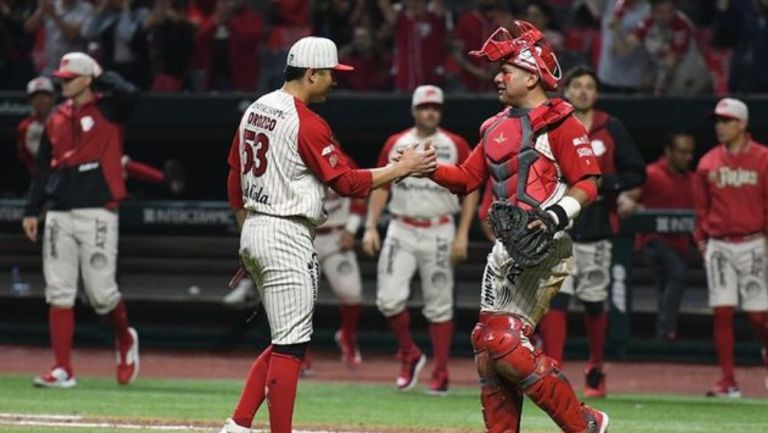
528 51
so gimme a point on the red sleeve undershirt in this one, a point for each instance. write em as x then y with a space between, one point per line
234 189
321 152
465 177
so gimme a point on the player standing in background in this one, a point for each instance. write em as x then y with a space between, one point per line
78 172
731 200
669 186
29 131
622 169
421 236
537 155
282 159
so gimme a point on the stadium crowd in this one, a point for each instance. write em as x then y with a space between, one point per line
682 47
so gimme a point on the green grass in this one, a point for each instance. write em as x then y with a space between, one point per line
350 406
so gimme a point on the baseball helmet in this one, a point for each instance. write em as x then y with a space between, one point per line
523 46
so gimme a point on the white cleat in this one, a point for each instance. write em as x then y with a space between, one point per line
231 427
56 378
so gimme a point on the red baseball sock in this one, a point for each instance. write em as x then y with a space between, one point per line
723 334
597 328
61 322
553 328
282 379
253 390
441 334
118 317
350 316
141 171
759 322
401 326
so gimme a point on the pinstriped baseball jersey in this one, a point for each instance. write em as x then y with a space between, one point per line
422 198
275 178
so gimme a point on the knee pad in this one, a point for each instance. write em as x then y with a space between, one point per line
560 302
500 342
295 350
593 308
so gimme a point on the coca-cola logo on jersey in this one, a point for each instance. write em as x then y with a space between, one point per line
727 177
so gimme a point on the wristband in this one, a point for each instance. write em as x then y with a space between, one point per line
565 210
353 223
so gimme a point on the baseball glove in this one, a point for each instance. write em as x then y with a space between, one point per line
527 247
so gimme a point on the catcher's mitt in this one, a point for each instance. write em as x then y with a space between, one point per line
527 247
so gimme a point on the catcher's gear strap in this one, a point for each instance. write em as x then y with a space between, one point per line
588 186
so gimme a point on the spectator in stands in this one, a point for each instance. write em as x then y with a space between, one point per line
171 39
472 29
541 15
668 186
229 46
668 37
332 18
15 44
622 70
743 27
62 22
420 36
290 21
370 61
117 28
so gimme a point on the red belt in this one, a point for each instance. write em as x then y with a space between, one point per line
326 230
424 222
501 320
736 239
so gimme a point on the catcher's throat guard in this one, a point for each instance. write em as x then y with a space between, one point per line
528 50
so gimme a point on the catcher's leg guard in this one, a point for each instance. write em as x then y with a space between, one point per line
550 390
502 402
536 375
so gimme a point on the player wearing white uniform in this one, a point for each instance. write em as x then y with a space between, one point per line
335 242
282 158
422 236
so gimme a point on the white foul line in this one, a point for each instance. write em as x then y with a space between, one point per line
77 421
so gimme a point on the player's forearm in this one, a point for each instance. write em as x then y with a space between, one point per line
581 194
451 177
467 212
386 175
376 204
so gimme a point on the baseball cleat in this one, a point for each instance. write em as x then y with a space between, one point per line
597 421
725 388
231 427
128 359
439 383
56 378
595 383
350 353
409 372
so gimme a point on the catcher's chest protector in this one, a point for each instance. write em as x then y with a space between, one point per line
518 153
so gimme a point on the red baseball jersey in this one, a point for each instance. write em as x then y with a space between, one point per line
731 192
665 188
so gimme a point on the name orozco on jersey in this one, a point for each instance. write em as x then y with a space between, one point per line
725 177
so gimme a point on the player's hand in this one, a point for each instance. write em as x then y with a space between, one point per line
371 241
30 228
459 249
416 162
625 206
347 240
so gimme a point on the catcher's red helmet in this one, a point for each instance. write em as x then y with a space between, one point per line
526 48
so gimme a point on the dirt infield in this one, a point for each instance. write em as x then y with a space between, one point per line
680 379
